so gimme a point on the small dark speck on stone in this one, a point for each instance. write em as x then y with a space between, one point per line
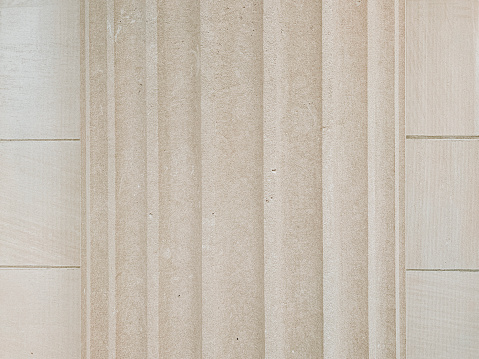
237 338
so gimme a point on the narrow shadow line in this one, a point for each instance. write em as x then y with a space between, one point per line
442 270
37 139
423 137
37 267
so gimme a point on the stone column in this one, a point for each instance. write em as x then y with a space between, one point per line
243 179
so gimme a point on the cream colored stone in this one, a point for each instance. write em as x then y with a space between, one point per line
441 179
39 69
443 315
442 196
292 179
40 176
40 313
253 132
40 203
242 176
442 80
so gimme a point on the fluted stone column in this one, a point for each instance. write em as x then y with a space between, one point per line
243 180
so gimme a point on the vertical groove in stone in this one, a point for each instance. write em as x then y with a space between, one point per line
292 179
400 178
232 180
97 183
274 284
84 55
180 179
153 194
130 164
382 175
215 192
110 88
345 179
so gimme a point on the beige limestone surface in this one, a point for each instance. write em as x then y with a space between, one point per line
40 178
441 179
242 178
